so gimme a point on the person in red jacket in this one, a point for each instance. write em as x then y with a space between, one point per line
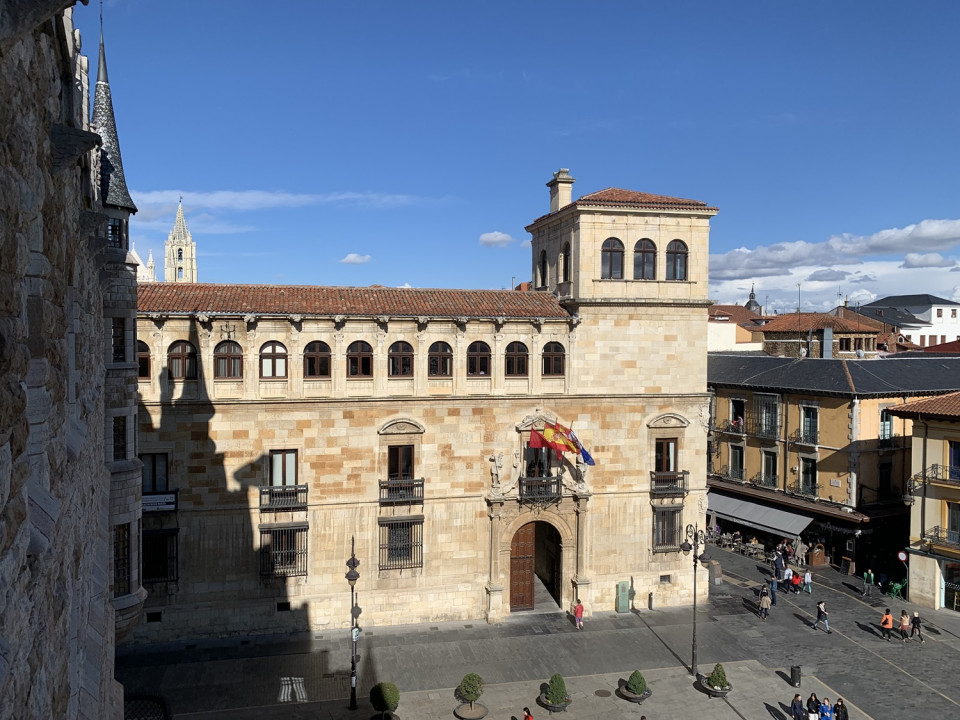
578 615
886 624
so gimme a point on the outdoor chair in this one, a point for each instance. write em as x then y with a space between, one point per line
896 589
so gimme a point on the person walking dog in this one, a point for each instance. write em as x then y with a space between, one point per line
822 617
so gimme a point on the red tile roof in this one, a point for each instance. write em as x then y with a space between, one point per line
736 313
814 321
191 298
944 406
617 198
948 347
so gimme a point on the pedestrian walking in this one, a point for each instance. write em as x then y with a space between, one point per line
840 711
808 582
868 582
801 552
886 624
764 605
904 625
813 707
773 591
826 709
916 626
778 565
797 711
822 617
526 714
578 614
787 576
796 583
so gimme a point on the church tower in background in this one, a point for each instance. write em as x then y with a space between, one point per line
180 256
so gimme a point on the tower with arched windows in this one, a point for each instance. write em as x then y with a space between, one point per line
180 255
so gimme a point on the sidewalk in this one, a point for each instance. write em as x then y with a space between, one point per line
263 677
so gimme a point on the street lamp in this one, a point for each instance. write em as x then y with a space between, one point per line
352 576
699 538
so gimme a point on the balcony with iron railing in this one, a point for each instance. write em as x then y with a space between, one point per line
770 482
731 474
669 484
805 436
763 427
805 489
945 474
401 491
732 427
541 490
890 441
283 497
944 537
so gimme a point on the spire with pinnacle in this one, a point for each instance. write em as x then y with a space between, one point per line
180 252
113 185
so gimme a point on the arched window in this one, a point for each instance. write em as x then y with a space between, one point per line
516 360
440 360
645 260
179 255
316 360
359 360
180 273
143 361
400 360
565 263
478 359
228 360
182 361
553 355
611 259
676 260
273 360
543 269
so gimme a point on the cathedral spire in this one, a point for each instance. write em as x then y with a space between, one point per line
113 185
180 252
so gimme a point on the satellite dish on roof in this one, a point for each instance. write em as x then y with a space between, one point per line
860 354
803 352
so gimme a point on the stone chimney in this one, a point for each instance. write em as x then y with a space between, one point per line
560 189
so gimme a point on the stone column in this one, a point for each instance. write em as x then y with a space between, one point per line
494 587
581 582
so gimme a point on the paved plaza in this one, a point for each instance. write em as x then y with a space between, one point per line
307 675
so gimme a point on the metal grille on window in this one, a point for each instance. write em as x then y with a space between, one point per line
666 530
401 543
283 551
118 339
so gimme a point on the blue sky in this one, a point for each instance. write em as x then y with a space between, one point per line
408 143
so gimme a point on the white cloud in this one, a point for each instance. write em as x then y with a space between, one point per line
495 239
827 275
926 260
355 259
265 199
925 235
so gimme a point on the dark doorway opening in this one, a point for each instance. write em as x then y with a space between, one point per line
535 562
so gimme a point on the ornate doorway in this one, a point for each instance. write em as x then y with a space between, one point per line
535 553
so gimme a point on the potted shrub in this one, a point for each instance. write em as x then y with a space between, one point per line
554 698
384 697
716 685
635 689
468 692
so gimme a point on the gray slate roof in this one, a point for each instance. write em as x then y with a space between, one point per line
910 301
876 378
113 185
889 315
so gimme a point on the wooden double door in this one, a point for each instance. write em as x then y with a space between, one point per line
534 553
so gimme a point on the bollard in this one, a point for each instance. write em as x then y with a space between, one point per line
795 675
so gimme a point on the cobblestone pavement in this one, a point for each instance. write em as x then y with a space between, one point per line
307 676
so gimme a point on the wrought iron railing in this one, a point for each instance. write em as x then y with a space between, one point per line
940 473
734 427
806 489
541 489
669 483
890 441
942 536
401 491
283 497
764 427
734 474
765 481
806 436
283 552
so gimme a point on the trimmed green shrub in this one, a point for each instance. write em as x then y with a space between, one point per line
384 697
718 678
636 684
556 690
470 688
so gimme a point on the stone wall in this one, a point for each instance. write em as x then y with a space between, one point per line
56 627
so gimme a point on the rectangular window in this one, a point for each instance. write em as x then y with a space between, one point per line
160 555
767 412
401 542
115 237
953 313
154 472
769 469
118 339
886 425
400 462
666 530
121 560
283 551
283 467
736 462
665 457
539 461
808 476
809 424
120 437
844 344
939 312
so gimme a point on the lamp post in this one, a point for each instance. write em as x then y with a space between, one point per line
699 538
352 576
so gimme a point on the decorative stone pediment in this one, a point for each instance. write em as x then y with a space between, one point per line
535 421
401 427
668 420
